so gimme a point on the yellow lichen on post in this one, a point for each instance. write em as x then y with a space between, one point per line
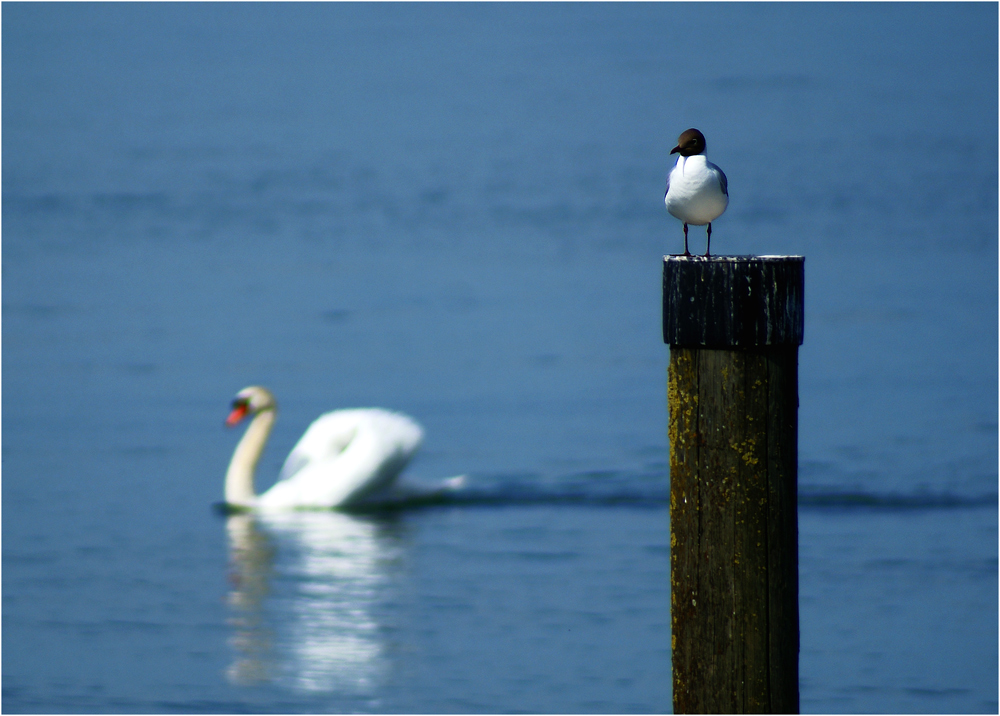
682 402
746 449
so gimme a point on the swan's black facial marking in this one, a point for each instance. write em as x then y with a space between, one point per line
240 409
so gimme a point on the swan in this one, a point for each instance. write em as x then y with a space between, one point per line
344 456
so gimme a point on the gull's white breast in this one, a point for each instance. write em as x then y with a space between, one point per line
696 191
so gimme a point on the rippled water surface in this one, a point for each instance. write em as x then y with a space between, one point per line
456 211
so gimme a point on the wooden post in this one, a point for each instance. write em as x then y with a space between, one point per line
734 324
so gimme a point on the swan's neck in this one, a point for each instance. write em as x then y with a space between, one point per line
239 477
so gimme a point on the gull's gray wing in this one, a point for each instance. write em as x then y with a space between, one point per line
722 180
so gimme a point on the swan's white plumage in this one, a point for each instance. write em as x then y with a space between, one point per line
342 458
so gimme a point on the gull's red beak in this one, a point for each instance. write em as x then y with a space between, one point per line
240 410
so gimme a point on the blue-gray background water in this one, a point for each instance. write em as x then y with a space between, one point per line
456 211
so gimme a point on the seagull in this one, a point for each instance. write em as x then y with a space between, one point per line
697 190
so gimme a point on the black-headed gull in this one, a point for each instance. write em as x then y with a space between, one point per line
697 190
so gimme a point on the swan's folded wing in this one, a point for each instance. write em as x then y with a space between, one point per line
343 457
294 463
325 439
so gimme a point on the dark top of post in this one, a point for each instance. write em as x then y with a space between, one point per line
733 301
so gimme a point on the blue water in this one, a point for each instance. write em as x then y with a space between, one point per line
456 211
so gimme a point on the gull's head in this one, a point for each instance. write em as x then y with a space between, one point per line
250 401
690 142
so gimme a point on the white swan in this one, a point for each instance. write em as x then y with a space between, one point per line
343 457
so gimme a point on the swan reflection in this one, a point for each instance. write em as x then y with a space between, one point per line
305 587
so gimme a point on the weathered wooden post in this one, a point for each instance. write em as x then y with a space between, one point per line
734 325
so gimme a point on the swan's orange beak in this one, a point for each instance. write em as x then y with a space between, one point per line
239 412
